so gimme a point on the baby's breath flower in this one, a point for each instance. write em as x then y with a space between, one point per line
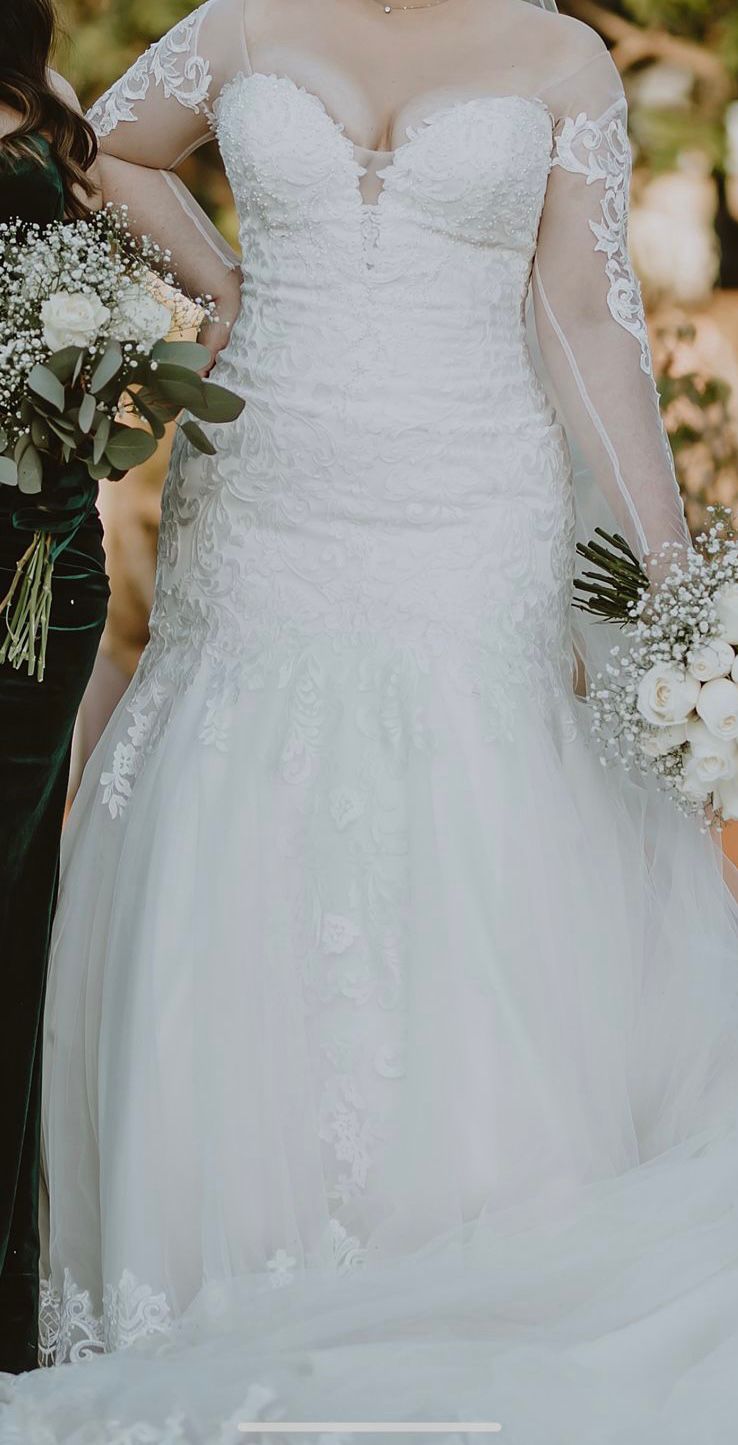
98 259
673 617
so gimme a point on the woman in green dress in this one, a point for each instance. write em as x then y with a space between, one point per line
47 160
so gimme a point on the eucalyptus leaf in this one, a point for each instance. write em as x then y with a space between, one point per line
87 412
171 371
182 399
178 400
164 408
40 434
43 383
64 363
149 415
3 439
183 353
97 469
21 446
128 447
222 405
8 472
102 435
107 367
197 437
30 471
62 428
176 383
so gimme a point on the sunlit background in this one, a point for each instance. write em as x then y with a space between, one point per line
679 62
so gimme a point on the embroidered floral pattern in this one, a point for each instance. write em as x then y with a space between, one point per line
347 1251
346 806
71 1329
173 64
132 1309
281 1268
600 151
345 1125
116 784
338 932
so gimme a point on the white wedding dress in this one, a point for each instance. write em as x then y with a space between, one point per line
392 1042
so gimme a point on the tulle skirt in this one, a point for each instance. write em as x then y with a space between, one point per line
392 1067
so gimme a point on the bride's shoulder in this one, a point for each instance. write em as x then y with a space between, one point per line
563 36
10 119
64 90
576 41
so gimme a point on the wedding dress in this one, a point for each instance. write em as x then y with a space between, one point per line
392 1042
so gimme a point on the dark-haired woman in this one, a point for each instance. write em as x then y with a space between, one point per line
47 172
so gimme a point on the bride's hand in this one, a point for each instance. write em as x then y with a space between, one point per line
216 334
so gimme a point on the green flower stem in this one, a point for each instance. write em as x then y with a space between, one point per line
620 581
19 571
28 616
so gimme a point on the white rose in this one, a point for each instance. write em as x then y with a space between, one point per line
139 317
72 319
712 659
726 798
664 740
691 785
717 705
710 758
726 601
667 694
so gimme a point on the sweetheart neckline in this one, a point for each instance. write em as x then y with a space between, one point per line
411 131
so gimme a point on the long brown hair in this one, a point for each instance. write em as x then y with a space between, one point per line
27 34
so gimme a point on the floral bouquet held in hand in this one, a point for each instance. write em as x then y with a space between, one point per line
83 328
668 702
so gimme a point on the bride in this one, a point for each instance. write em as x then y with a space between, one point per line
392 1043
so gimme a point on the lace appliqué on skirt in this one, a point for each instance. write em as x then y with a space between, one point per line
71 1330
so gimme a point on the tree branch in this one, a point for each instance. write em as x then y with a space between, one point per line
632 44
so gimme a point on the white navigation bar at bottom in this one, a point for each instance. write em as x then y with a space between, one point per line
370 1427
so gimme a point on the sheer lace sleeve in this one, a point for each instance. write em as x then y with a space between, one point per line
158 114
589 314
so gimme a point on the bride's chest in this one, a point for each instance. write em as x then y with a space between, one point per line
476 169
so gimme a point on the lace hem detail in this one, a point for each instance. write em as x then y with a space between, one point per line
173 64
70 1328
600 151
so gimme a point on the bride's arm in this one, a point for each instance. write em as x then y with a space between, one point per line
148 123
160 206
589 314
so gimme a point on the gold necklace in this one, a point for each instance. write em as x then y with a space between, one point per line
428 5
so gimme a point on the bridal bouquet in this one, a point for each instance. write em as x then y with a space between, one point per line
668 702
87 314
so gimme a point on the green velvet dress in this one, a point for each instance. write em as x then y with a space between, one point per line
36 723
